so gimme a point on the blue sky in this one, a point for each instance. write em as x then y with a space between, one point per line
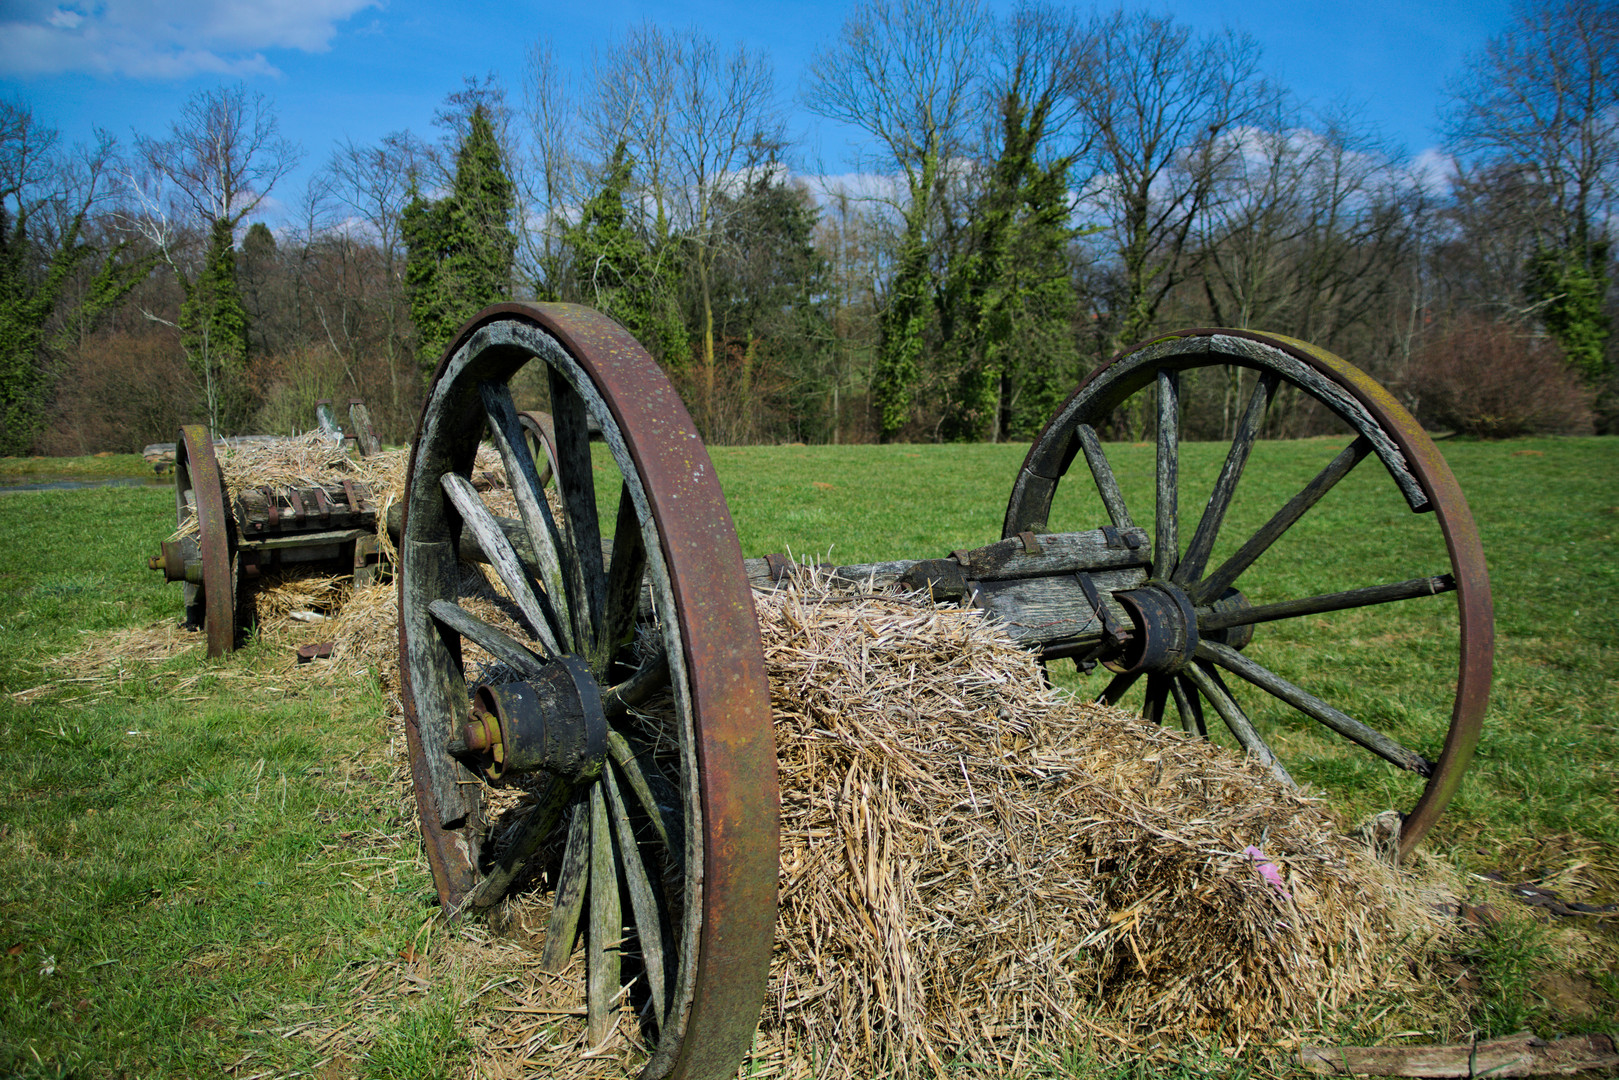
358 69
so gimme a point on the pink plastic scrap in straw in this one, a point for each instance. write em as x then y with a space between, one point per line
1268 871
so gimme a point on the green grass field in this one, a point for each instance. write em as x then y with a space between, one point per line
197 859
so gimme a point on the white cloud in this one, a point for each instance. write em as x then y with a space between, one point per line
161 39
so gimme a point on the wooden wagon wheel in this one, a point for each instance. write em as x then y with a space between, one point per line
199 492
683 812
541 434
1193 625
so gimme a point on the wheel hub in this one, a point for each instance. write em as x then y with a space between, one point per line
1165 634
553 723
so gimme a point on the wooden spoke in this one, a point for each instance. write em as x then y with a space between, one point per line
648 679
1166 538
1210 686
1208 528
654 792
488 637
1152 707
1106 484
1313 707
573 882
502 556
1341 601
520 844
643 898
1222 579
623 580
1189 705
604 938
1116 688
576 483
522 473
652 789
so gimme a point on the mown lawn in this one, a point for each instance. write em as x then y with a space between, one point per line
198 858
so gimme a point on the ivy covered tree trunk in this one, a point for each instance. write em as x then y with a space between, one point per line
1569 287
30 304
905 318
1011 294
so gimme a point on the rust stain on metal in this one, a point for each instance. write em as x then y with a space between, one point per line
213 536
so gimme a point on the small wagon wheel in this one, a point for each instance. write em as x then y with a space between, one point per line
1192 624
199 492
541 434
682 812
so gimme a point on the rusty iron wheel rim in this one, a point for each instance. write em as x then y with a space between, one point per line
213 604
727 777
1391 434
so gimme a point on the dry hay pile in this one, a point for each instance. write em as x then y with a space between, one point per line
974 867
977 870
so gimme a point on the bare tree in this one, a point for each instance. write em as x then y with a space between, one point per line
1309 230
223 155
726 127
632 93
1545 96
904 71
1161 106
372 185
549 187
1542 102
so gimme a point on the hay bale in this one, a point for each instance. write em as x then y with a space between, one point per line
974 866
978 870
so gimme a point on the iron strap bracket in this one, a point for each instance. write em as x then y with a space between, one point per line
1111 630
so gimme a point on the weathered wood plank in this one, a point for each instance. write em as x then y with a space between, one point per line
1209 684
626 569
1256 545
656 795
573 883
537 535
490 638
1515 1055
1060 553
1107 486
1225 486
1051 611
643 898
502 556
1313 707
585 577
1166 525
441 694
603 938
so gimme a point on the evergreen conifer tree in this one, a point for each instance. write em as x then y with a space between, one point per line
624 274
460 248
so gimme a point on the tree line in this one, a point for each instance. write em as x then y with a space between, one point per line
1039 191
